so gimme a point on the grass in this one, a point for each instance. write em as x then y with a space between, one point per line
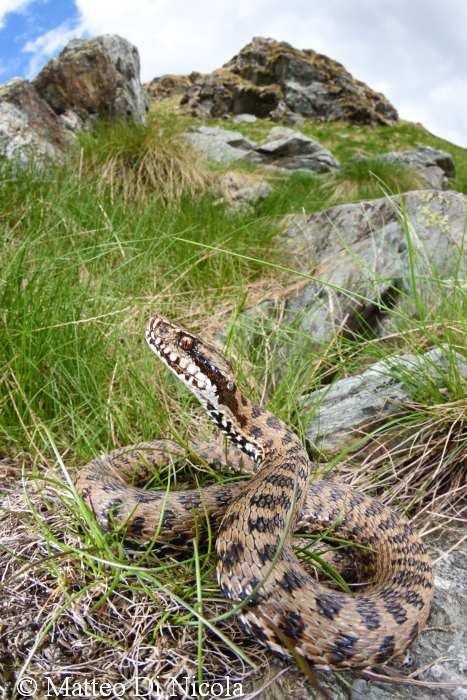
88 254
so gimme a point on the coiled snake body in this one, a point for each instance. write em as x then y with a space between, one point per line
329 628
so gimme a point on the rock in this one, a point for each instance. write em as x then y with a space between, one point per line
241 189
353 406
295 119
433 167
29 130
168 85
284 148
98 76
272 79
244 119
357 257
222 145
289 149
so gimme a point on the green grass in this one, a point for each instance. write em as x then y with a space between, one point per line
88 253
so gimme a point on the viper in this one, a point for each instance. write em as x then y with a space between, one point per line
286 607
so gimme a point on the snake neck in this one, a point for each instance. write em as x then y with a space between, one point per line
262 436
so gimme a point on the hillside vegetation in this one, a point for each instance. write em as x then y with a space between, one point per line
132 225
90 250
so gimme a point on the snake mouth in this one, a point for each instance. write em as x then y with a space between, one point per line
162 337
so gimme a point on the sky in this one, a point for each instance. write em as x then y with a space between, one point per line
414 51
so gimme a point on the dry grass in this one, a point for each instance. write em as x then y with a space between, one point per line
141 164
61 617
420 463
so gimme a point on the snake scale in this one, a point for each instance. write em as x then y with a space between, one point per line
330 628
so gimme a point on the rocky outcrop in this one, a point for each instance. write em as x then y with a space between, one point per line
434 168
354 406
359 262
289 149
222 145
168 85
284 148
90 78
29 129
97 76
272 79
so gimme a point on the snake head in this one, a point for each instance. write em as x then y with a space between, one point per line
202 368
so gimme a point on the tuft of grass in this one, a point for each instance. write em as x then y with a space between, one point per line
137 163
359 179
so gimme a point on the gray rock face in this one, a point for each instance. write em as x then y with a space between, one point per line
221 145
95 76
285 148
29 130
269 78
358 258
356 405
422 157
434 167
289 149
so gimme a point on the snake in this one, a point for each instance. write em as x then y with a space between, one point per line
283 603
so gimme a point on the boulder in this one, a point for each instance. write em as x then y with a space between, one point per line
221 145
289 149
284 148
29 130
244 119
98 76
352 407
358 260
272 79
434 168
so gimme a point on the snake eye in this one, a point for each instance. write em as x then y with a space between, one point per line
186 342
230 386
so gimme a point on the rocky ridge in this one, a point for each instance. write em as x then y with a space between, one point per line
269 78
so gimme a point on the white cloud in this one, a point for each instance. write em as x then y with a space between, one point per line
47 44
415 53
11 6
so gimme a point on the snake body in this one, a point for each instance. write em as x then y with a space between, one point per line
291 611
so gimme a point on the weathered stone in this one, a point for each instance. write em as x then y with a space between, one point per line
284 148
244 119
272 79
29 130
222 145
98 76
289 149
354 406
240 189
357 257
433 167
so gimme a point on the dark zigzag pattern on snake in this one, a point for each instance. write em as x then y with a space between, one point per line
330 628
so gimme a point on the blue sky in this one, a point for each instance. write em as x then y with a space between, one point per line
23 32
414 51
